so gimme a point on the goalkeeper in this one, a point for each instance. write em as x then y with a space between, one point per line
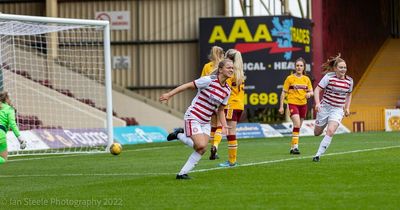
7 121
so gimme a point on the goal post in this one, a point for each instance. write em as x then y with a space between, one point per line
57 72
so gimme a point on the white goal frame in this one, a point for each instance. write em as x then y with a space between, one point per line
107 55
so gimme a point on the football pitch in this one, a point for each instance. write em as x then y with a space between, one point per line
359 171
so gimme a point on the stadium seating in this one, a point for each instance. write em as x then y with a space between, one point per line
31 122
130 120
378 88
28 122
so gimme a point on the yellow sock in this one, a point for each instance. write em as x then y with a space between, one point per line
295 137
217 137
212 133
232 148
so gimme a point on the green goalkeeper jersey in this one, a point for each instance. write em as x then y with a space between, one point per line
7 119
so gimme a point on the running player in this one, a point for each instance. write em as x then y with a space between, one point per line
337 88
213 94
215 56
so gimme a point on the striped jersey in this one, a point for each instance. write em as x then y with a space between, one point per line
296 89
335 89
210 95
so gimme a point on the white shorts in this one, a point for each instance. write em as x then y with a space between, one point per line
193 127
329 113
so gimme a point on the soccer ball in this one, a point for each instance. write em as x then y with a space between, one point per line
115 148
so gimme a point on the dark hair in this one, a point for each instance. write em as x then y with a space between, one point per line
302 60
304 63
331 63
4 98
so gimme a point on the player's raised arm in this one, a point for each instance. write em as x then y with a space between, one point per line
164 97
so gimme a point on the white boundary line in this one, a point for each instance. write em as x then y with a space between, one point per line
298 158
194 171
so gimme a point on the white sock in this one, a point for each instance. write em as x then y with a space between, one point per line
324 145
184 139
190 163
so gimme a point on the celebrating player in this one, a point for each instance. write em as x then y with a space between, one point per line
213 94
215 56
297 87
7 121
337 87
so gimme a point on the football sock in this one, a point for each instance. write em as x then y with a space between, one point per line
295 138
217 136
212 133
324 145
2 160
190 163
232 148
186 140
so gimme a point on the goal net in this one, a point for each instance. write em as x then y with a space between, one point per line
57 74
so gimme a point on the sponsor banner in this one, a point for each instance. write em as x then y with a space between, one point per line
61 138
308 128
119 20
283 129
269 46
304 130
140 134
33 142
249 130
269 131
392 119
341 129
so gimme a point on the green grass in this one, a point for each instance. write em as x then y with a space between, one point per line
359 171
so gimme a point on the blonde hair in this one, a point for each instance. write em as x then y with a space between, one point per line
220 65
216 55
331 63
236 57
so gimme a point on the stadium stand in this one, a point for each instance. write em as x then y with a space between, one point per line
398 104
378 88
47 83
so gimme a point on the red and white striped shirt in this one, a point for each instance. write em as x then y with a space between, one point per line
335 89
210 95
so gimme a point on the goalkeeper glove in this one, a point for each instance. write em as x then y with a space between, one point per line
22 142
